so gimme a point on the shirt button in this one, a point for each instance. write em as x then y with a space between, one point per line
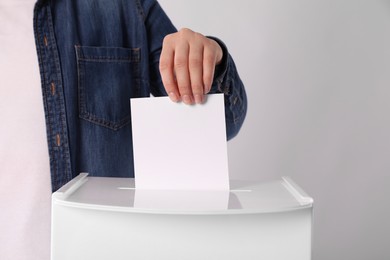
58 140
45 41
53 89
235 100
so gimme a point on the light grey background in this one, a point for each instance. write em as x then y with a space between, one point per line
317 75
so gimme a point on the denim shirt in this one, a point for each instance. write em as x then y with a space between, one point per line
94 55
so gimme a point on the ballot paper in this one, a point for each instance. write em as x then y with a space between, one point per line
178 146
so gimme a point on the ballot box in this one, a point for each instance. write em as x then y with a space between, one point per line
108 218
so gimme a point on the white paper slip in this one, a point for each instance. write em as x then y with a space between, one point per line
179 147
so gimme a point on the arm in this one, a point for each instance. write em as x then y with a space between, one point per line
187 65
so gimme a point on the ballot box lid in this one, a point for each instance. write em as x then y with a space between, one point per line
120 194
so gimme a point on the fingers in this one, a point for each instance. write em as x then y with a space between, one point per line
195 66
182 72
187 65
167 70
209 61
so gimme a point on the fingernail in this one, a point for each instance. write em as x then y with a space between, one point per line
198 99
187 99
207 89
173 97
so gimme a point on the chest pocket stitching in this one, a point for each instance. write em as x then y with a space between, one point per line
107 78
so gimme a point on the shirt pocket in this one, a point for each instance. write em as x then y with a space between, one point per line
107 78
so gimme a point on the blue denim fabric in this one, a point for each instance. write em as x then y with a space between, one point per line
94 55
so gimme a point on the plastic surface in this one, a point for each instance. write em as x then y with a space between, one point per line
106 218
244 197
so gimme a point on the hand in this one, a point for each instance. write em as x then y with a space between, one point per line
187 65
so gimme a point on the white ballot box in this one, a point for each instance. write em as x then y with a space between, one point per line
107 218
